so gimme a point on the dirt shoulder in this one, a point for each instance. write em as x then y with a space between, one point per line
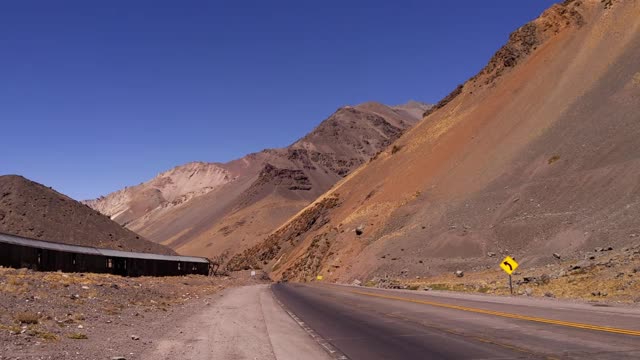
97 316
242 323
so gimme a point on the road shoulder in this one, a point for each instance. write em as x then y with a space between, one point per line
243 323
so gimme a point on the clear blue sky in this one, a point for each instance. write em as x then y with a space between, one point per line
96 95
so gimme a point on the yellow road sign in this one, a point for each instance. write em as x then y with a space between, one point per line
319 277
509 265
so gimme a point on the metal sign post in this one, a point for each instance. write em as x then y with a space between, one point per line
510 285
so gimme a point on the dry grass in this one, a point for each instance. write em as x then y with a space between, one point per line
27 317
14 284
15 281
113 309
31 330
77 336
44 335
11 328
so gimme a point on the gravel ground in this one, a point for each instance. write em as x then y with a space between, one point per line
97 316
605 275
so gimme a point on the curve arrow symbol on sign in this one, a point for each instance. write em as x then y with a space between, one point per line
509 265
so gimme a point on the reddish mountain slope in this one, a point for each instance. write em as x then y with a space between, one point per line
260 191
538 153
31 210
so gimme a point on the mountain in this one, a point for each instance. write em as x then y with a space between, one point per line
170 188
213 209
537 154
32 210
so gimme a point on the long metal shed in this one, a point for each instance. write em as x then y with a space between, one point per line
20 252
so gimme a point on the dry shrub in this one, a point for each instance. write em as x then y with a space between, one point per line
15 284
77 336
42 334
11 328
112 310
15 281
27 317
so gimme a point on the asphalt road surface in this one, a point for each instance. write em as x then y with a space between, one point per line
363 323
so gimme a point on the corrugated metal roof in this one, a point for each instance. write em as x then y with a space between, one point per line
40 244
118 253
17 240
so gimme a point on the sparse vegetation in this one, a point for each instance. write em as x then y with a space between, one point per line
27 317
370 283
15 281
11 328
553 159
218 261
77 336
44 335
439 287
396 148
53 309
112 309
605 276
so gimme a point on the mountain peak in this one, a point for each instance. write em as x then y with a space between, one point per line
196 207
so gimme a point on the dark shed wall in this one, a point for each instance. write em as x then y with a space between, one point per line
20 256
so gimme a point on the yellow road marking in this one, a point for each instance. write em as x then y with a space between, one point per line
478 338
506 315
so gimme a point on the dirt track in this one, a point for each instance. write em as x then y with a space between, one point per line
244 323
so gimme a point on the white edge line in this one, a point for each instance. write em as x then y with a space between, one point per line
330 349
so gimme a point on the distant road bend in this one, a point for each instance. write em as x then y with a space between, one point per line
364 323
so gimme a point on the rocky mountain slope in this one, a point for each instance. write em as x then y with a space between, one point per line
535 155
215 209
170 188
32 210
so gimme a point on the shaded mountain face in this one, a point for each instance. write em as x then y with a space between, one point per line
213 209
537 154
32 210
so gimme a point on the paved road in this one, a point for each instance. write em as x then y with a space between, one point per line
362 323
